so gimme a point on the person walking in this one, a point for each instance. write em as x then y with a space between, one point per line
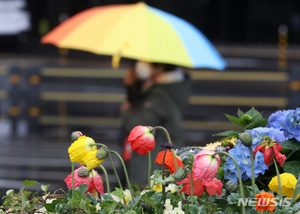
159 101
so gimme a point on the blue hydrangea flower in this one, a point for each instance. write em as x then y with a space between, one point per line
242 155
291 126
277 119
259 134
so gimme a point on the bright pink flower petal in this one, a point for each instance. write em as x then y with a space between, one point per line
79 180
141 140
213 187
97 182
205 166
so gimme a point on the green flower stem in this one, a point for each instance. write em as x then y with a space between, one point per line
149 171
112 163
239 172
252 169
169 141
192 147
278 177
163 177
173 153
187 154
192 190
165 131
126 174
106 179
73 188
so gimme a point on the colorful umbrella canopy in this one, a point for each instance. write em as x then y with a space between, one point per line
137 31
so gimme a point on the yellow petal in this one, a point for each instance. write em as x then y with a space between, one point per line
91 161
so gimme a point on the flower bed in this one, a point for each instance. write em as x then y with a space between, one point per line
254 170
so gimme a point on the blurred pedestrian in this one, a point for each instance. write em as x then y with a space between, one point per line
161 92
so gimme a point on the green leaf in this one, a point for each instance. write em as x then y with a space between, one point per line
296 207
118 192
45 187
246 119
290 144
292 167
252 112
194 209
82 188
109 205
297 191
235 120
76 199
222 203
49 207
150 201
228 133
130 212
258 123
29 183
240 113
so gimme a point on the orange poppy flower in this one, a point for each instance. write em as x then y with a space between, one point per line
265 201
169 160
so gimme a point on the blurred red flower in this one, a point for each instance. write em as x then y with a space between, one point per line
141 139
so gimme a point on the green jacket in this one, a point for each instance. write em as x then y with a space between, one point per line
160 105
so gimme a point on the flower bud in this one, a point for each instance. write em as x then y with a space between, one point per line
101 153
246 138
75 135
180 174
83 172
232 187
145 206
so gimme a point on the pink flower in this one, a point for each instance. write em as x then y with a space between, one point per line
212 187
141 139
205 165
92 180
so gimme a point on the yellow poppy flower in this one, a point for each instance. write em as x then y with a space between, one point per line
80 148
91 160
288 184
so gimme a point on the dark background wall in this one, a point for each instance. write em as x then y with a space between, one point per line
222 21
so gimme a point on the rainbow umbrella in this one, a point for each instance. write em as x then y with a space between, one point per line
137 31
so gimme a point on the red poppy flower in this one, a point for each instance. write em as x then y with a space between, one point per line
169 160
93 181
265 201
212 187
270 149
141 139
198 187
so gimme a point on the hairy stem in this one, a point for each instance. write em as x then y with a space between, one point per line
252 169
106 179
239 173
126 174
